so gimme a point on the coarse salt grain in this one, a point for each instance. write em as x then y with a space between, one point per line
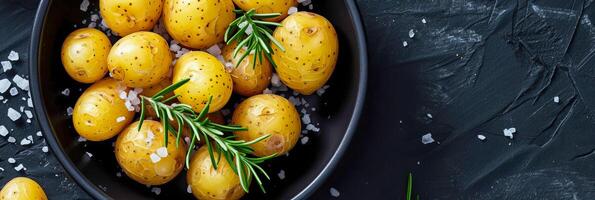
556 99
11 160
30 102
162 152
118 174
25 141
84 5
214 50
11 139
508 132
123 95
281 174
249 30
292 10
13 114
306 119
69 111
311 127
19 167
174 47
89 154
81 139
481 137
6 65
405 43
120 119
21 82
13 56
156 190
304 140
45 149
29 114
334 192
267 91
13 91
154 158
275 81
4 85
427 138
66 92
189 189
423 20
411 33
322 90
3 131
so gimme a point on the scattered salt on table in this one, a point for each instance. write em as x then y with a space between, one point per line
481 137
556 99
306 119
66 92
29 114
334 192
11 139
429 115
6 65
25 141
154 158
189 189
39 133
45 149
69 111
427 138
281 174
13 114
13 91
89 154
21 82
508 132
214 50
11 160
13 56
4 85
304 140
120 119
423 20
405 43
84 5
156 190
3 131
162 152
411 33
292 10
19 167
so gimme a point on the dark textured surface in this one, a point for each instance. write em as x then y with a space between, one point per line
477 67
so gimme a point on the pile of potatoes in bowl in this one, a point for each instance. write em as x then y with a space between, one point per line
140 63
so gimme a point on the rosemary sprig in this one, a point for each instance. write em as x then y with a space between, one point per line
252 33
235 152
410 188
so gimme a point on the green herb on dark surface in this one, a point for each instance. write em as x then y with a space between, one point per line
235 152
254 34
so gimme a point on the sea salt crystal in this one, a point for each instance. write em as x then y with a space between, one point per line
66 92
292 10
508 132
81 139
122 95
11 139
411 33
281 174
45 149
84 5
4 85
118 174
39 133
334 192
154 158
92 25
311 127
156 190
162 152
29 114
1 169
304 140
556 99
429 115
295 101
69 111
427 138
13 56
11 160
423 20
174 47
129 106
6 65
214 50
25 141
13 114
405 43
481 137
311 6
189 189
267 91
275 81
322 90
305 2
30 102
306 119
89 154
249 30
13 91
120 119
242 25
3 131
21 82
94 17
19 167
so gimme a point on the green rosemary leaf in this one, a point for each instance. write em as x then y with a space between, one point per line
142 113
211 156
171 88
409 186
241 174
170 98
189 152
266 15
266 23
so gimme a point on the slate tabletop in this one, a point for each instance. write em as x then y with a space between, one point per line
476 99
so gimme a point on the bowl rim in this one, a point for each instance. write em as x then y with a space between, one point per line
97 193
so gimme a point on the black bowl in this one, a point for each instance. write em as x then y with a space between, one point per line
306 168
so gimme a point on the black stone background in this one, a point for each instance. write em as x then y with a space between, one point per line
477 66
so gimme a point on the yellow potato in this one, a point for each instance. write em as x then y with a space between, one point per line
198 24
311 50
96 112
268 6
207 78
84 55
268 114
208 183
124 17
22 188
140 59
248 79
135 148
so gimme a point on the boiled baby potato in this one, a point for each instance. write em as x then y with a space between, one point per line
208 183
198 24
84 55
248 79
207 78
311 50
268 6
143 157
124 17
140 59
268 114
22 188
99 113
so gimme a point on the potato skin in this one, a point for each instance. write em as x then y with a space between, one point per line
96 111
210 184
140 59
133 149
247 79
268 6
22 188
198 24
268 114
207 78
84 55
311 51
124 17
